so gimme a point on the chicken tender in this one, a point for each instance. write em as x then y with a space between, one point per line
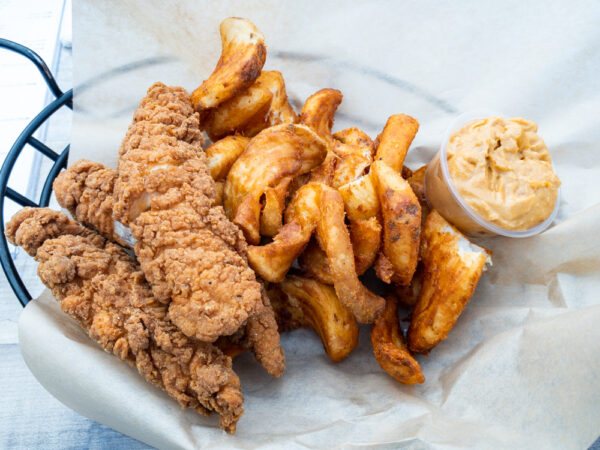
99 285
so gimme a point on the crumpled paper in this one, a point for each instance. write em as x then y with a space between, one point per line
522 366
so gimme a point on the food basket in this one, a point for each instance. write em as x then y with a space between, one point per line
61 99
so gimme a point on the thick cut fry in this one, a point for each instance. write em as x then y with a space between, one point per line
272 214
395 139
360 198
325 172
280 110
313 261
221 155
408 295
245 114
354 150
401 214
452 267
279 152
273 260
316 305
389 347
319 109
243 55
366 240
334 239
417 184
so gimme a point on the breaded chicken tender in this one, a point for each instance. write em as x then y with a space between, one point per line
98 284
192 256
85 189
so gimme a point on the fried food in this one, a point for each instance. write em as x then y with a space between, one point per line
360 198
99 285
192 256
334 239
452 267
417 184
221 155
84 185
401 214
272 156
389 347
354 151
271 216
273 260
408 295
395 139
243 55
319 110
302 302
280 110
245 114
313 261
365 235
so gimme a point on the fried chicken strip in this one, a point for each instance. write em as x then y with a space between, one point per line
192 256
98 284
85 189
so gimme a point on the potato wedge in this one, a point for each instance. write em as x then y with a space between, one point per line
452 267
221 155
401 217
334 239
365 235
408 295
280 110
243 54
273 260
276 153
245 114
307 302
313 261
354 150
319 110
395 139
389 347
271 216
360 198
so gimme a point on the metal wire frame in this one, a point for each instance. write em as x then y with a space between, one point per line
26 137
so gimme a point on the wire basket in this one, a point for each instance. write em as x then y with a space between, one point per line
61 99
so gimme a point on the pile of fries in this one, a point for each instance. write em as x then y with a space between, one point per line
337 204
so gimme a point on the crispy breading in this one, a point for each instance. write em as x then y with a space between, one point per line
243 54
275 154
395 139
401 218
452 267
389 347
99 285
78 189
192 256
302 302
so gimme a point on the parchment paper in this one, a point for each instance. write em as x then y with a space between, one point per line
521 367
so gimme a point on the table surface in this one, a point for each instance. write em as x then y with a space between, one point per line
30 417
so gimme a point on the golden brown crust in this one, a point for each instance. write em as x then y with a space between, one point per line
192 256
452 267
100 286
389 347
395 139
319 110
243 54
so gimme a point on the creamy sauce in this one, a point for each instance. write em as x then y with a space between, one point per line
503 171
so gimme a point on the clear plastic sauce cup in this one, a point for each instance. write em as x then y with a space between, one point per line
444 197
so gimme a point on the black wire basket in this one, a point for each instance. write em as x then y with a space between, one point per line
61 99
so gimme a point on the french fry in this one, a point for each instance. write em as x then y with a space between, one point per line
313 261
244 114
272 212
243 54
334 239
280 110
319 110
273 260
221 155
354 150
276 153
365 235
389 347
308 303
395 139
417 184
401 214
408 295
360 198
452 267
